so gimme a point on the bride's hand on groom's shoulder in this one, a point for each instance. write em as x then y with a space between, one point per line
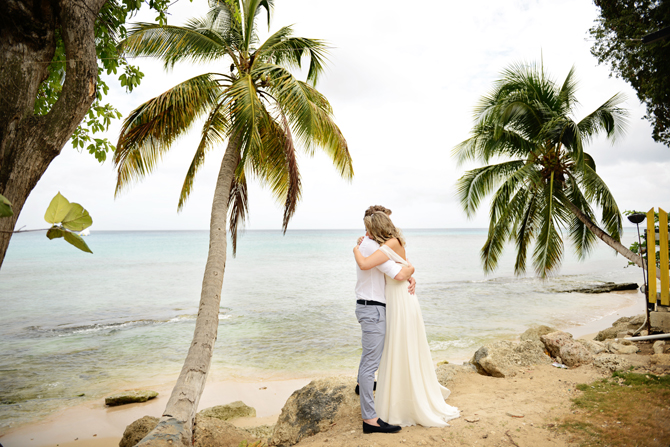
360 240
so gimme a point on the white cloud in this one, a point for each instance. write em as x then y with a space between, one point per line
403 80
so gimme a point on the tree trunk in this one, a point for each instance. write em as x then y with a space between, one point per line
609 240
29 143
176 425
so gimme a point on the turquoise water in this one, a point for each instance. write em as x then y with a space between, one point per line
74 323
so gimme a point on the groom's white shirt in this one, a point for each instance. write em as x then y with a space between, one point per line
370 285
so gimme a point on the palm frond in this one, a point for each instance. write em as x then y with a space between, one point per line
172 44
150 130
286 51
549 245
525 230
238 207
215 130
583 240
608 118
478 183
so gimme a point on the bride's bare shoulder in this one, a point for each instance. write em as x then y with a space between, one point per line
393 243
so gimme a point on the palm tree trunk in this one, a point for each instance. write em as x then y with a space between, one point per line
176 425
609 240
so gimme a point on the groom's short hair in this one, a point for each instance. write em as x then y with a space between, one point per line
374 208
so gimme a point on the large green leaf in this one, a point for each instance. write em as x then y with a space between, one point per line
77 218
5 207
77 241
58 209
55 233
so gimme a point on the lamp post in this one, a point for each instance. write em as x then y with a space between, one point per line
637 218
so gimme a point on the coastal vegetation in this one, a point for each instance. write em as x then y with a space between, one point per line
546 181
261 113
627 409
53 55
620 41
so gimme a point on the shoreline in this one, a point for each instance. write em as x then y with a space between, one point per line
92 424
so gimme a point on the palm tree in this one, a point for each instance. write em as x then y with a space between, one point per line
543 180
263 113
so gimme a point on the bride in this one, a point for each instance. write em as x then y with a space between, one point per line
408 392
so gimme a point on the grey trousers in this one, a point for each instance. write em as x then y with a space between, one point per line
373 325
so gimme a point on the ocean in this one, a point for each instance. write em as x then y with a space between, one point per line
76 326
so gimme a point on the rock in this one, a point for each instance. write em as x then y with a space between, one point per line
447 372
213 432
261 432
208 432
637 320
560 344
514 414
503 358
472 419
535 332
130 397
314 408
610 362
606 288
612 332
230 411
659 346
619 348
137 430
659 321
594 347
660 360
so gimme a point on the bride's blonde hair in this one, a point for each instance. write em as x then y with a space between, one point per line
381 228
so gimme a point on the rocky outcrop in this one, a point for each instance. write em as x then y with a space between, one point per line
606 288
621 348
503 358
138 430
594 347
660 361
233 410
659 346
610 363
314 408
213 432
625 325
447 372
560 344
534 333
130 397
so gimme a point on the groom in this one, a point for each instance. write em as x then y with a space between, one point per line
371 314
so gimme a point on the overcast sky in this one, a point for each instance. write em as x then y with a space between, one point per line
403 82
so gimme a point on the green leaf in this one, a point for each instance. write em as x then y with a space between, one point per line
77 218
5 207
55 233
77 241
57 210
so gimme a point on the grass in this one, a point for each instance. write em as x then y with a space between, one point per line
626 410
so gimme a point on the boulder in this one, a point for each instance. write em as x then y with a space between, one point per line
613 332
230 411
208 432
610 363
620 348
213 432
659 346
130 397
447 372
560 344
594 347
503 358
314 408
534 333
660 360
137 430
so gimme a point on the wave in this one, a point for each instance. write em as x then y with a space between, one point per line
46 332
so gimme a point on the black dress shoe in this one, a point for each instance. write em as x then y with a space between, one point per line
383 428
357 390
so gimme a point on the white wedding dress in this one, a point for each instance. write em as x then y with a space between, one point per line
408 392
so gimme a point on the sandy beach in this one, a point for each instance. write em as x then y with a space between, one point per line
95 425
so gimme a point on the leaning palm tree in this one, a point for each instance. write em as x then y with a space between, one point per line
542 180
261 111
